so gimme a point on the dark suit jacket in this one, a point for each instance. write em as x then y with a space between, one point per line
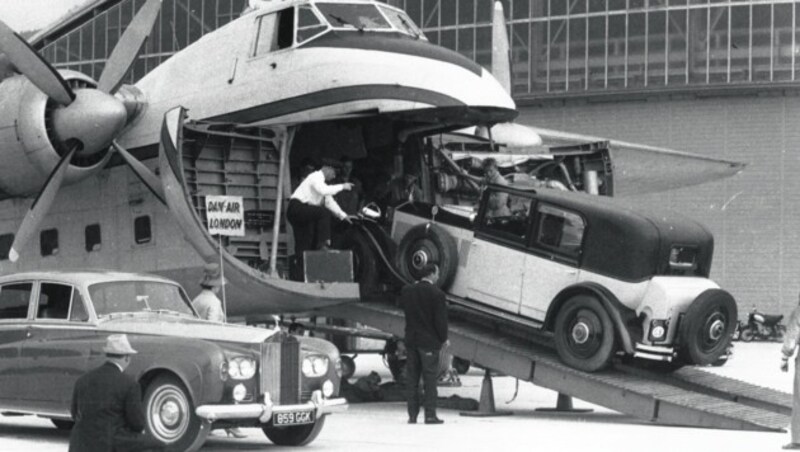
426 315
107 409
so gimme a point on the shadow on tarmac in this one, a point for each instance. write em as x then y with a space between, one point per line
27 432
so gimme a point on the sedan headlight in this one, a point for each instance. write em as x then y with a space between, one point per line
315 366
242 368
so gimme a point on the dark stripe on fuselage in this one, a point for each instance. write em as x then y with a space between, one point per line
393 43
335 96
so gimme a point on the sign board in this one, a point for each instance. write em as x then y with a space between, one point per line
225 215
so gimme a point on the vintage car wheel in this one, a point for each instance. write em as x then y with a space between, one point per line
365 264
424 244
297 435
707 326
63 424
584 334
169 414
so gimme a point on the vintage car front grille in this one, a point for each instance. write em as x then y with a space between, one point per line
280 369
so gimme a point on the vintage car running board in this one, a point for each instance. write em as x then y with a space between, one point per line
688 397
249 290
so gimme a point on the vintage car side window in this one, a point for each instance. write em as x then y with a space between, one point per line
138 296
507 215
560 230
78 309
54 300
14 300
6 240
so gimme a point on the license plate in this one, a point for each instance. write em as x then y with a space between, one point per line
297 418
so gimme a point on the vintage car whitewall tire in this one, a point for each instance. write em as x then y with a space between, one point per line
297 435
424 244
707 327
584 334
169 414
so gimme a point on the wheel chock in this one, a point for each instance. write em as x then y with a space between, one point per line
564 405
486 406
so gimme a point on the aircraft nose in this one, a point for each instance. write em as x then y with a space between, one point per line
91 121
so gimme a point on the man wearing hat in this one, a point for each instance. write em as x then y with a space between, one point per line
207 303
107 405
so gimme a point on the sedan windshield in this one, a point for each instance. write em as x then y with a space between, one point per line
139 296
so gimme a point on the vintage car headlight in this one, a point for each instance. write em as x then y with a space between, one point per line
241 368
315 366
239 392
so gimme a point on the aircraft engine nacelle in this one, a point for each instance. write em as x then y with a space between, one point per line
29 147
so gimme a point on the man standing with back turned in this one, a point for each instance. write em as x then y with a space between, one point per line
107 405
426 332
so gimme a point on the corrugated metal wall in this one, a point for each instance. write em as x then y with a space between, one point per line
755 216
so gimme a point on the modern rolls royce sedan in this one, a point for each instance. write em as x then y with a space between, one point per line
195 375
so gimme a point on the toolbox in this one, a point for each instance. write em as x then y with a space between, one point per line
328 266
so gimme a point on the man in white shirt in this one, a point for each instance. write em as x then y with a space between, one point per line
310 209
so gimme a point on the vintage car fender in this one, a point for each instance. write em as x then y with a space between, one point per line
196 362
623 317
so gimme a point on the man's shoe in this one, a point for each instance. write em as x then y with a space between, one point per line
791 446
433 420
412 420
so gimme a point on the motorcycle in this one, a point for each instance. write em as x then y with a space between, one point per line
763 327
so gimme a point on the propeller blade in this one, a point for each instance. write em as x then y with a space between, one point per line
129 46
148 178
501 62
40 207
29 63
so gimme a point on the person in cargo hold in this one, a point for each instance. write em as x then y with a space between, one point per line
425 333
309 213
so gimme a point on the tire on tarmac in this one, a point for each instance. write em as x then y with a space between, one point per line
170 417
746 335
295 435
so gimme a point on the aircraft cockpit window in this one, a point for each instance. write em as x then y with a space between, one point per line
308 24
275 31
351 16
402 22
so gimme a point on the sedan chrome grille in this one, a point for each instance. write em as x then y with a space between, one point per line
280 369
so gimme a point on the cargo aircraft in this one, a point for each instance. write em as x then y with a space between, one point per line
97 173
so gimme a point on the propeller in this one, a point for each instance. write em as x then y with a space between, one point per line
87 120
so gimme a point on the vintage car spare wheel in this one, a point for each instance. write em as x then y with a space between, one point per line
707 327
170 414
296 435
424 244
584 334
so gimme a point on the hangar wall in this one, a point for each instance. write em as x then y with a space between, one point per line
755 215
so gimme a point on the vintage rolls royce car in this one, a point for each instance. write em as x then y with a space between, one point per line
600 276
193 373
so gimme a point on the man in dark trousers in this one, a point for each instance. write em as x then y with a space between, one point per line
426 332
107 405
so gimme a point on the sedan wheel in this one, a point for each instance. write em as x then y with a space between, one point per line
170 415
296 435
707 327
584 334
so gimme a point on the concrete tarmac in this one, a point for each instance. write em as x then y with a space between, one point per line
378 427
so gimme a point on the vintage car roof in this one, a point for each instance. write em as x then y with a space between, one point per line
79 277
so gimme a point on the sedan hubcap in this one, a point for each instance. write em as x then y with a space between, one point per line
170 413
580 333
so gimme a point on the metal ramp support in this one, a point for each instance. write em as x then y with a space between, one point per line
486 406
665 400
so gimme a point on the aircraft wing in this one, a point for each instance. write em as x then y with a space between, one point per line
640 169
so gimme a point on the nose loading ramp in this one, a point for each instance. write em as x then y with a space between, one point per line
687 397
